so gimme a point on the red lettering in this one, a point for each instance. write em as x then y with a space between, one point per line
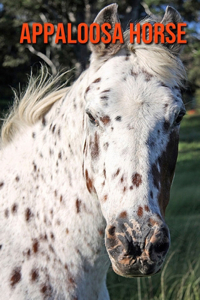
147 33
69 34
171 33
60 34
159 33
107 34
180 32
36 32
118 35
25 34
94 33
82 28
135 32
48 32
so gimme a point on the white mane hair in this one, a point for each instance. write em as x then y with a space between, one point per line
158 59
33 103
42 93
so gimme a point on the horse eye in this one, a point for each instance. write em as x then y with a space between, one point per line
92 119
180 117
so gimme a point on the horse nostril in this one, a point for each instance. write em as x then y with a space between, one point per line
161 247
160 241
132 249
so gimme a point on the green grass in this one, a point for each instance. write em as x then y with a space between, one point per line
180 277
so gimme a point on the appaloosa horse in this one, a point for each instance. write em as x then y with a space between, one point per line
86 172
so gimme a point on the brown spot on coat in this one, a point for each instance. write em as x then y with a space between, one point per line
136 179
1 184
97 80
163 84
105 198
17 178
53 129
140 211
104 97
43 121
147 76
52 236
14 208
15 276
34 167
146 208
89 182
35 246
78 205
134 73
118 118
84 147
105 120
106 91
117 173
34 275
87 90
123 214
28 214
95 146
47 290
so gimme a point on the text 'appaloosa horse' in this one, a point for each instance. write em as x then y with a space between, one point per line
86 172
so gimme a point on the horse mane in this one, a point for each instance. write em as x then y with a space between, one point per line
158 58
33 103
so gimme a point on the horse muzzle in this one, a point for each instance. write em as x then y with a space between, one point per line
137 248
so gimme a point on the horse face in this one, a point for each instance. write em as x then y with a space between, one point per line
130 155
130 151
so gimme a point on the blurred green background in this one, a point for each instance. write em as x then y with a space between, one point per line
180 277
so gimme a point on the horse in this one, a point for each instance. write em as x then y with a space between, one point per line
86 171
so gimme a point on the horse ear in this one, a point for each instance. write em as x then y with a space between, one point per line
107 15
172 16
